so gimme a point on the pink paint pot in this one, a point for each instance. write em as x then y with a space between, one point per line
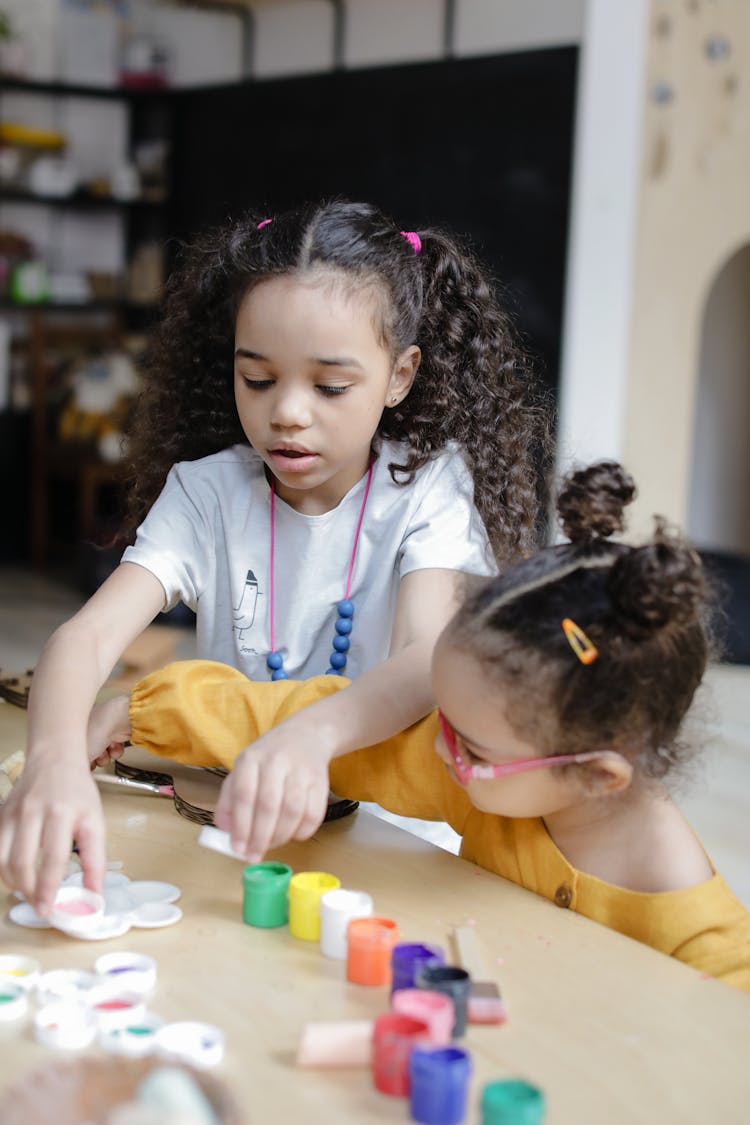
77 910
433 1008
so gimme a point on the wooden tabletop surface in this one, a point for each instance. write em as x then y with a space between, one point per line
611 1030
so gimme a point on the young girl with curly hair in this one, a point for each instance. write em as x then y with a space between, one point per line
337 426
562 686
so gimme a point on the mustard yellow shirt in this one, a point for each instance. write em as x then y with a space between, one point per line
204 713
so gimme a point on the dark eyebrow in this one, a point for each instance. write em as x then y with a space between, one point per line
246 353
322 361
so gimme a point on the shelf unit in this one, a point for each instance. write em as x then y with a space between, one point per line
78 326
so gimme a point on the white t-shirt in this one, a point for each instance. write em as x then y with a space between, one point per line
207 540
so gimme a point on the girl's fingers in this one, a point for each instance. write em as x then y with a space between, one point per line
314 811
56 843
25 849
268 816
92 850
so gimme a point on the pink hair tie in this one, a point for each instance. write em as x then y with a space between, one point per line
263 223
412 237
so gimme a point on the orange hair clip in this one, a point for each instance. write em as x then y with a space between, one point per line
579 642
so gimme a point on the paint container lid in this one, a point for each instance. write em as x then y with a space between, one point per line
264 894
113 1007
133 971
135 1039
18 969
152 915
435 1008
512 1102
76 909
407 957
189 1041
337 909
14 1001
439 1085
218 841
151 890
64 1026
70 985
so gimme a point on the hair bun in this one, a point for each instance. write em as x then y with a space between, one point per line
659 584
592 501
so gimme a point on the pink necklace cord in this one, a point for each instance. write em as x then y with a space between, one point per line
350 574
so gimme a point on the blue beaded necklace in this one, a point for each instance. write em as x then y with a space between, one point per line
345 608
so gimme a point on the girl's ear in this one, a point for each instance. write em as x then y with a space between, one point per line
608 772
405 368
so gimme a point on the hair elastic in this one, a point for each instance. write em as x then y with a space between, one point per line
579 642
263 223
412 237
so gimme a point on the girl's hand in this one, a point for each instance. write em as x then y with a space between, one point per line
53 804
277 791
108 730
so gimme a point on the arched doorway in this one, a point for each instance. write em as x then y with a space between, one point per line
719 500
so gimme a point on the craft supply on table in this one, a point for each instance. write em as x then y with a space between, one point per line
407 957
306 889
337 909
454 982
264 894
112 1007
190 1041
81 913
485 1003
132 783
14 1001
393 1039
218 841
433 1008
370 943
65 1026
512 1102
134 1040
133 971
346 1043
18 969
439 1080
65 985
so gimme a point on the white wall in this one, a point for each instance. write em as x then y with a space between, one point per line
484 27
604 215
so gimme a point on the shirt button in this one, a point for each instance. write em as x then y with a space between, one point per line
563 895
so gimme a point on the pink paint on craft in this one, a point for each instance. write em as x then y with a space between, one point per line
76 906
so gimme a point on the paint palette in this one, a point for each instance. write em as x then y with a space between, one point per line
80 913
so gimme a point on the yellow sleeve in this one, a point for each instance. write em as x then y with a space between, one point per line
205 713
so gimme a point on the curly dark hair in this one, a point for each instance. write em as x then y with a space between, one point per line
646 609
475 385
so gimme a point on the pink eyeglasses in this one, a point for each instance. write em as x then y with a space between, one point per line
466 772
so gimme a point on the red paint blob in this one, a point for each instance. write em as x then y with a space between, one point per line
113 1005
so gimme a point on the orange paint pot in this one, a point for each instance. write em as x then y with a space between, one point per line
370 942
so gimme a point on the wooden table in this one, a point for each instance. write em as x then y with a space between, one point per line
611 1030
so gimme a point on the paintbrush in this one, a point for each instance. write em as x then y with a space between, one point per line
130 783
485 1002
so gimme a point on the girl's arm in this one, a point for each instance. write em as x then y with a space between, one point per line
278 788
55 802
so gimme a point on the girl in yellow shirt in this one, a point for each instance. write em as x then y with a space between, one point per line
561 686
